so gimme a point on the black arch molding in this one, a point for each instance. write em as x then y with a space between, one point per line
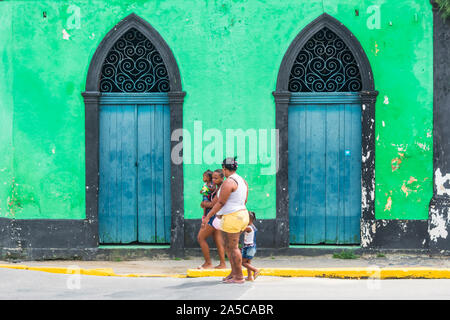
368 97
91 99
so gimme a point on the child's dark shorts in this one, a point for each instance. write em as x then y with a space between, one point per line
249 252
210 219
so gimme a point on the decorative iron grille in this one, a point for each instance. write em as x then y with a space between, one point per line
134 65
325 64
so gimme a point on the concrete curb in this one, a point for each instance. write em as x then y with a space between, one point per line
90 272
342 273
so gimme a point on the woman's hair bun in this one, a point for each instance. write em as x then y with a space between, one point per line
230 163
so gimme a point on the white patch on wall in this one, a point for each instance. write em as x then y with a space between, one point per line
366 236
423 146
403 226
366 157
400 147
438 226
363 197
66 36
440 180
386 100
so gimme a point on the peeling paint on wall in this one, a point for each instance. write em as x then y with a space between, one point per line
405 189
411 180
366 157
423 146
66 36
400 147
395 163
438 225
388 204
439 181
403 226
364 204
366 235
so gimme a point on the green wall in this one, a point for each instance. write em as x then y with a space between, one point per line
228 54
6 109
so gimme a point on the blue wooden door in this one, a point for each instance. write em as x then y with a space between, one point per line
134 164
324 168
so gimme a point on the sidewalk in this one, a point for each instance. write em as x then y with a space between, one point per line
388 266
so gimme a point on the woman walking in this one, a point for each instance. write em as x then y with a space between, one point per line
231 216
207 229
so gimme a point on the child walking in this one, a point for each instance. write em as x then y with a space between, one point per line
249 249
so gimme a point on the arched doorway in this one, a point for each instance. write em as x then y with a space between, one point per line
325 116
133 103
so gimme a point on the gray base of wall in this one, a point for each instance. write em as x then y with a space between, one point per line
90 254
48 233
395 234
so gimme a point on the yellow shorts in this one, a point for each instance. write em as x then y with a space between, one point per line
233 222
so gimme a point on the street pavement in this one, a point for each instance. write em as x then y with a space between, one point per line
36 285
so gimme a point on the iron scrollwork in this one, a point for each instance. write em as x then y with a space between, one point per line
325 64
134 65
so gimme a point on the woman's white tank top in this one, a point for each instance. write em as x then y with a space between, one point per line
236 200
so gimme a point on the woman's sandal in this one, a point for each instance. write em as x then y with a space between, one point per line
256 274
234 281
226 278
